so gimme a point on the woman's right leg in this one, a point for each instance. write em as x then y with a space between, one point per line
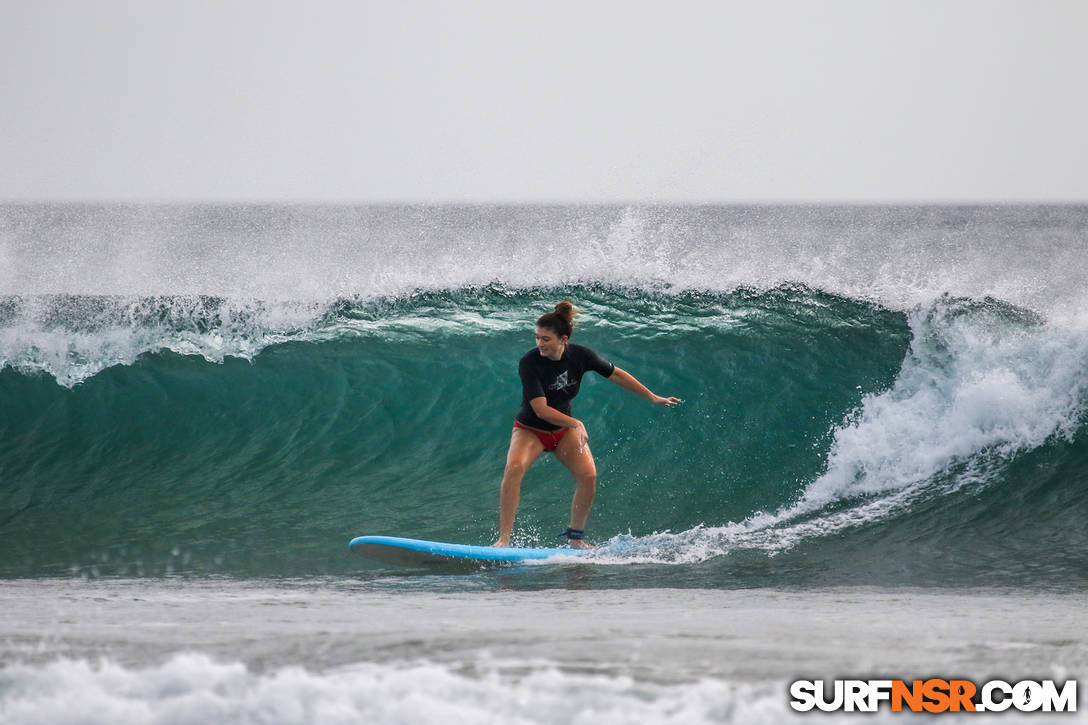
524 449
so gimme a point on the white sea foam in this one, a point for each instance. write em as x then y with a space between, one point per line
192 688
974 382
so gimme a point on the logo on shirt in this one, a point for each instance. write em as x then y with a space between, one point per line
562 382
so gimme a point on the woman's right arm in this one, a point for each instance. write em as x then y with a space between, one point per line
547 413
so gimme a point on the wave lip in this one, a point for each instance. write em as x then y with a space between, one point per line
72 338
979 384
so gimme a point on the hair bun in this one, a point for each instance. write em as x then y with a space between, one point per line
561 319
565 309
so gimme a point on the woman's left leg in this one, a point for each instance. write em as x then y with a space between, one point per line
579 461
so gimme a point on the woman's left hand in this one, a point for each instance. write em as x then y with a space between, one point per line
667 402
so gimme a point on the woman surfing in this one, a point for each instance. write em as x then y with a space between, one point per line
551 375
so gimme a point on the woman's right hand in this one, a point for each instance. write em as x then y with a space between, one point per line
582 433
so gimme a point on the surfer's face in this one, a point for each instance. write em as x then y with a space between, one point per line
550 344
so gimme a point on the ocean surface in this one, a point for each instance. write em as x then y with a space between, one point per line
880 467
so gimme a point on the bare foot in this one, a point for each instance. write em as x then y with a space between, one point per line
581 544
502 542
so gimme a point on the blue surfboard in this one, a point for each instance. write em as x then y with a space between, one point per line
416 552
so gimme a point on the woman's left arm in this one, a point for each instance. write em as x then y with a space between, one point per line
627 381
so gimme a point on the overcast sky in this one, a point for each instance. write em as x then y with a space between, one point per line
833 100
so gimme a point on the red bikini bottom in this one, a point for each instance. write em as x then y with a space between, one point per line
550 440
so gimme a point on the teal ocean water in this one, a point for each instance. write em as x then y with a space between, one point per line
815 429
201 404
847 421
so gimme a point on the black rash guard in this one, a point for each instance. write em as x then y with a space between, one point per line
556 380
